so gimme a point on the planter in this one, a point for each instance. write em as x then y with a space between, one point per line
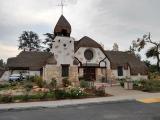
128 85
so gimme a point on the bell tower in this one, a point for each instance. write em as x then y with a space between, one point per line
63 44
62 28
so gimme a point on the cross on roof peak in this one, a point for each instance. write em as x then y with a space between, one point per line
62 5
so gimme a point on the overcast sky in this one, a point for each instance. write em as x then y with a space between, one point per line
106 21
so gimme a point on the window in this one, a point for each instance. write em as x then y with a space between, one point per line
65 70
88 54
120 71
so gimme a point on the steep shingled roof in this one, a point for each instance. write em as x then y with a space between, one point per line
125 59
32 60
86 42
62 24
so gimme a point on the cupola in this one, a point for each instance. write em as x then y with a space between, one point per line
62 28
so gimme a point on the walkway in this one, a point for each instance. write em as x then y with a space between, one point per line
119 91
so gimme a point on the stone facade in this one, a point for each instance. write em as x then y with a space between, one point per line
73 75
52 71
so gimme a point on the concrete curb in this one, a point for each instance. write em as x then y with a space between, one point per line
52 104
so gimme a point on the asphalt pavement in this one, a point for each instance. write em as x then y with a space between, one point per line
122 110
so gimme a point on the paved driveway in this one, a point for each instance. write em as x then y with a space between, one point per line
126 110
119 91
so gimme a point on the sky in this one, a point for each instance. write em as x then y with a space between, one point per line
106 21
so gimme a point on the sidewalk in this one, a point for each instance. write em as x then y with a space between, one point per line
77 101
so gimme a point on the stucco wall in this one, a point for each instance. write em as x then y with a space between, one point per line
98 55
126 73
33 73
63 54
139 77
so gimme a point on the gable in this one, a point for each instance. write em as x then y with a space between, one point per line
96 58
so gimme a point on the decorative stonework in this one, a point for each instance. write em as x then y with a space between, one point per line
52 71
99 74
73 75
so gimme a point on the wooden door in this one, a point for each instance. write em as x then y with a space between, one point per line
89 73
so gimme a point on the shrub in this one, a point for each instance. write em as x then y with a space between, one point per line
136 83
39 81
122 82
65 82
4 86
84 84
76 93
6 98
28 86
30 78
151 85
100 91
60 94
53 84
50 95
103 80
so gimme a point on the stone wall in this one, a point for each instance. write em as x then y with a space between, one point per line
100 73
80 72
54 71
73 75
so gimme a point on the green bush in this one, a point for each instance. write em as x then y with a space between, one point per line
136 83
61 94
30 78
100 91
84 84
4 86
51 95
40 96
75 93
39 81
65 82
6 98
53 84
28 86
122 82
151 85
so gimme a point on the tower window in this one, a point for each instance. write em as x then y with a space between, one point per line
120 71
65 70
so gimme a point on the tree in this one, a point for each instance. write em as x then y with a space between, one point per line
2 63
115 47
29 41
147 63
48 41
153 52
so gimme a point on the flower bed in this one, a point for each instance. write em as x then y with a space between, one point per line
36 89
